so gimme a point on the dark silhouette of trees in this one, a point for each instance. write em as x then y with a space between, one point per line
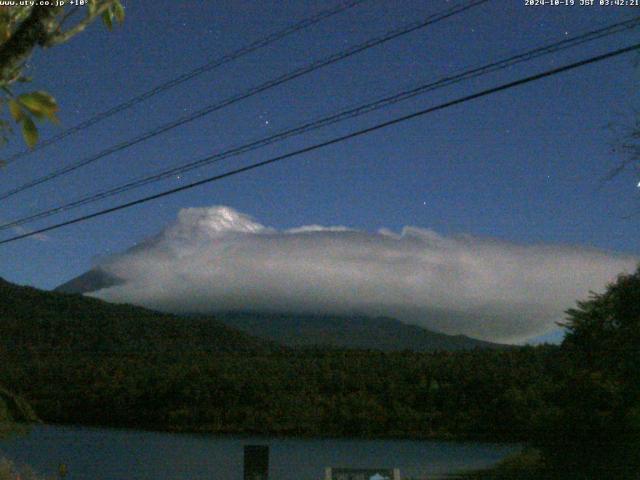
25 27
595 430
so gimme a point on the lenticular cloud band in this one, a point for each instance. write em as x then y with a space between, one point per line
217 259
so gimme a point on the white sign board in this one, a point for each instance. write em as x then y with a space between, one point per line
362 474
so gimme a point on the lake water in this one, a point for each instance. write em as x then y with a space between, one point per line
108 454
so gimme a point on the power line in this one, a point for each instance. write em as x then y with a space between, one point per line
253 91
340 116
174 82
333 141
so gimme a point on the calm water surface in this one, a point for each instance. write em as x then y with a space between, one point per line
107 454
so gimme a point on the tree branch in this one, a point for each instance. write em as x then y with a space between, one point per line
62 37
33 31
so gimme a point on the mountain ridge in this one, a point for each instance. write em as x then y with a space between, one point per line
314 330
348 332
39 321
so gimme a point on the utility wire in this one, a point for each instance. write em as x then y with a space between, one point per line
341 116
333 141
174 82
253 91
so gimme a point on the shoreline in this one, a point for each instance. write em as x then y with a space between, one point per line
275 435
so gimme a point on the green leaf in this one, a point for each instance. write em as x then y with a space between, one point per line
40 99
16 110
29 132
40 104
118 11
107 18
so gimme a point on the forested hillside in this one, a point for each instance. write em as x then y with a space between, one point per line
359 332
80 360
13 411
481 394
33 321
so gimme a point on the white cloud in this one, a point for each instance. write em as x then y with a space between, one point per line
216 258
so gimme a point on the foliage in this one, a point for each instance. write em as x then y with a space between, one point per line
597 427
10 471
22 29
15 413
84 361
320 393
35 321
603 333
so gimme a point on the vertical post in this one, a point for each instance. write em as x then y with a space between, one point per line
396 474
327 473
256 462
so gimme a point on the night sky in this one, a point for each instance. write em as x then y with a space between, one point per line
522 166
